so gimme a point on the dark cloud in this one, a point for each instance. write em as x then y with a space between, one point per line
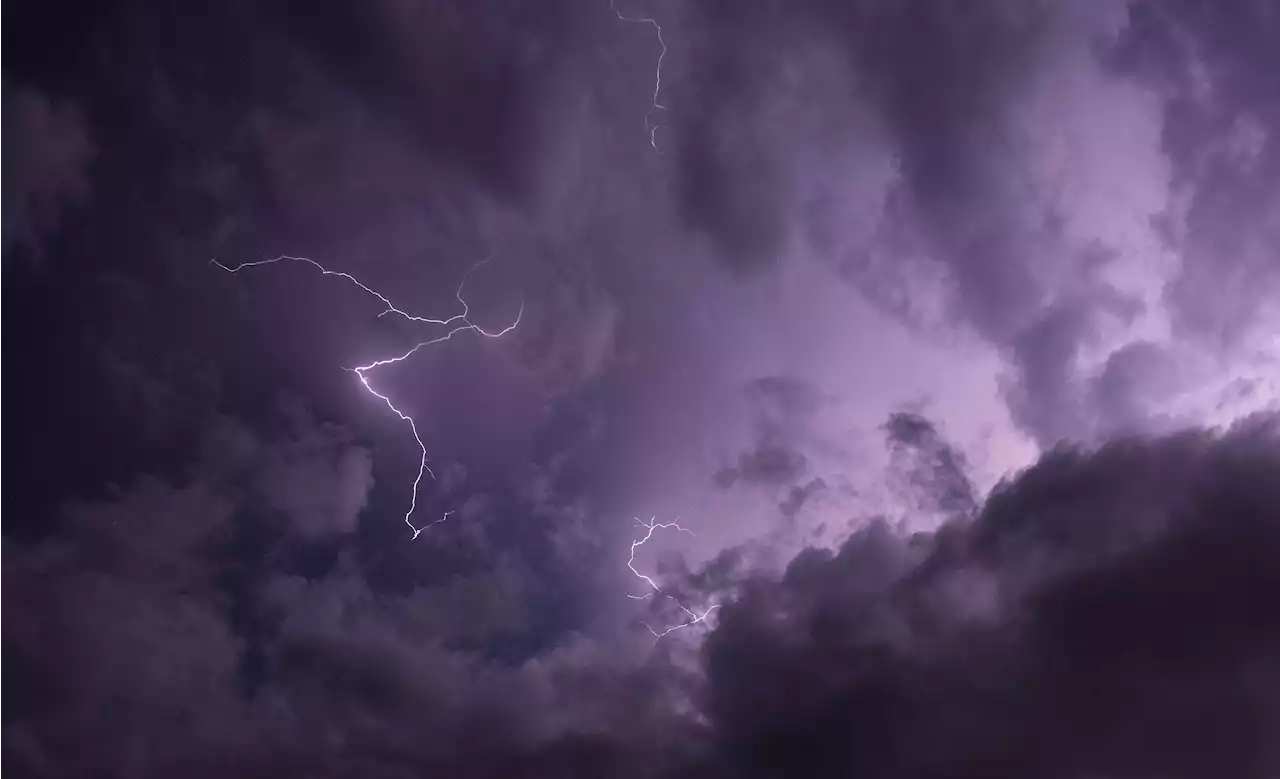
783 406
461 81
785 396
797 496
292 478
1135 378
933 469
1210 64
1044 395
770 464
227 631
935 91
48 150
1105 613
206 570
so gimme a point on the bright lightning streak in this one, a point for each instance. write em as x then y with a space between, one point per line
651 527
657 82
653 524
458 323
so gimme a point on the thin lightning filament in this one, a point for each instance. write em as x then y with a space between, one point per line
458 323
650 527
655 104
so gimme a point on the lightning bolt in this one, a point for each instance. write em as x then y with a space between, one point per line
655 105
457 323
652 526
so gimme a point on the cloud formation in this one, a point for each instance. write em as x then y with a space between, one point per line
1048 224
1106 612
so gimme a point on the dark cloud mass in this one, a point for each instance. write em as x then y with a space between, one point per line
49 150
946 330
1220 121
1105 613
932 468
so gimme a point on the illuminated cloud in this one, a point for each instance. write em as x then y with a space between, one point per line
930 324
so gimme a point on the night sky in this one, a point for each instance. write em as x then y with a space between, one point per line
947 333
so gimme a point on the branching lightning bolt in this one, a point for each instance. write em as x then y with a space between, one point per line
460 323
457 323
651 527
655 105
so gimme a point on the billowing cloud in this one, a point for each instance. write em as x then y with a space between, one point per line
951 167
1106 612
224 591
1042 229
1221 124
1104 615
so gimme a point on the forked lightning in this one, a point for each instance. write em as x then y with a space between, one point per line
653 525
655 104
457 323
650 527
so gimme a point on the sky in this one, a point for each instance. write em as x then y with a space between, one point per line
883 388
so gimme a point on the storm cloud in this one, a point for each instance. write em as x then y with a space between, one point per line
49 150
1106 612
947 332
